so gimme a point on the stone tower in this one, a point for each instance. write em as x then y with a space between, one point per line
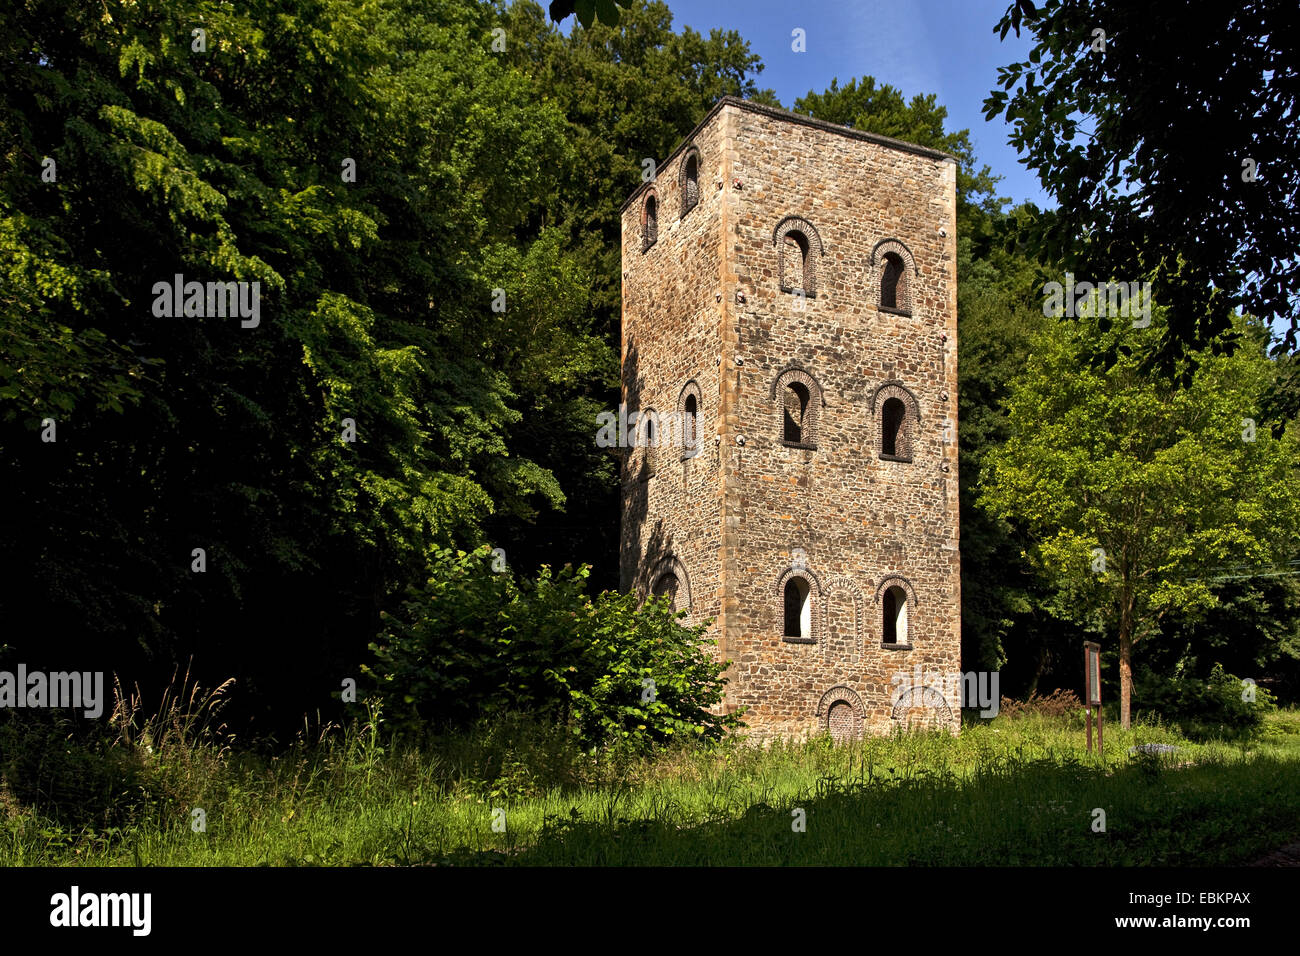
790 303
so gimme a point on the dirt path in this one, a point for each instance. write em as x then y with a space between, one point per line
1286 856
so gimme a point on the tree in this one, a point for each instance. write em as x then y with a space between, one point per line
1134 488
381 172
1002 619
1166 132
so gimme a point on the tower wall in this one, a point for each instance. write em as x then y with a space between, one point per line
827 507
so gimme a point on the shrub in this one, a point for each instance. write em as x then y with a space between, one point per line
475 643
1217 707
1059 703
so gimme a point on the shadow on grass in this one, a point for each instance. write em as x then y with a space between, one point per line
1033 814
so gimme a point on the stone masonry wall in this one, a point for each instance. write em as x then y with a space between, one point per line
832 509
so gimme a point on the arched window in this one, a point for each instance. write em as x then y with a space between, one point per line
648 426
669 578
894 626
667 586
798 250
798 609
650 225
893 429
890 279
690 181
898 420
799 400
796 410
794 261
896 269
690 427
800 593
688 416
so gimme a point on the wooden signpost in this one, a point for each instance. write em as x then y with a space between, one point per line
1092 688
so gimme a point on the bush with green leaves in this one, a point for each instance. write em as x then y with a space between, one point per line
474 642
1220 706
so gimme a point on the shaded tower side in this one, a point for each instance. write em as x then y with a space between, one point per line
671 260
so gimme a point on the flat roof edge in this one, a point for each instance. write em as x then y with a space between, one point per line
791 117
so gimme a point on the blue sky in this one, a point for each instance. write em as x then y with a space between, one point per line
945 47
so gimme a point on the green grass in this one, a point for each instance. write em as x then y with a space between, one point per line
1013 791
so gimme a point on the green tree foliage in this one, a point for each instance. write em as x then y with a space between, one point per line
222 156
1003 624
1150 139
475 642
1168 482
1252 630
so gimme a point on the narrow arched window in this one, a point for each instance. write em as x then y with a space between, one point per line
893 429
798 609
795 262
893 283
796 399
690 183
651 228
649 442
894 625
690 427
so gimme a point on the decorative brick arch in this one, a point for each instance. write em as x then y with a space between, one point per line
926 696
691 390
816 401
858 603
807 273
896 581
905 443
671 564
881 254
690 196
650 228
816 596
830 708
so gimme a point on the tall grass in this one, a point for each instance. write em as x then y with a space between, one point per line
1015 790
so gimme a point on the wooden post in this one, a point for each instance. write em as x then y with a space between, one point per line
1092 689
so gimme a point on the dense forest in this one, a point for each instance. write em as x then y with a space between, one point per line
427 192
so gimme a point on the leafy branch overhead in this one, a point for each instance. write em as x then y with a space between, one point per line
588 10
1171 153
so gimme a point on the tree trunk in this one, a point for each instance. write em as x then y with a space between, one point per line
1125 663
